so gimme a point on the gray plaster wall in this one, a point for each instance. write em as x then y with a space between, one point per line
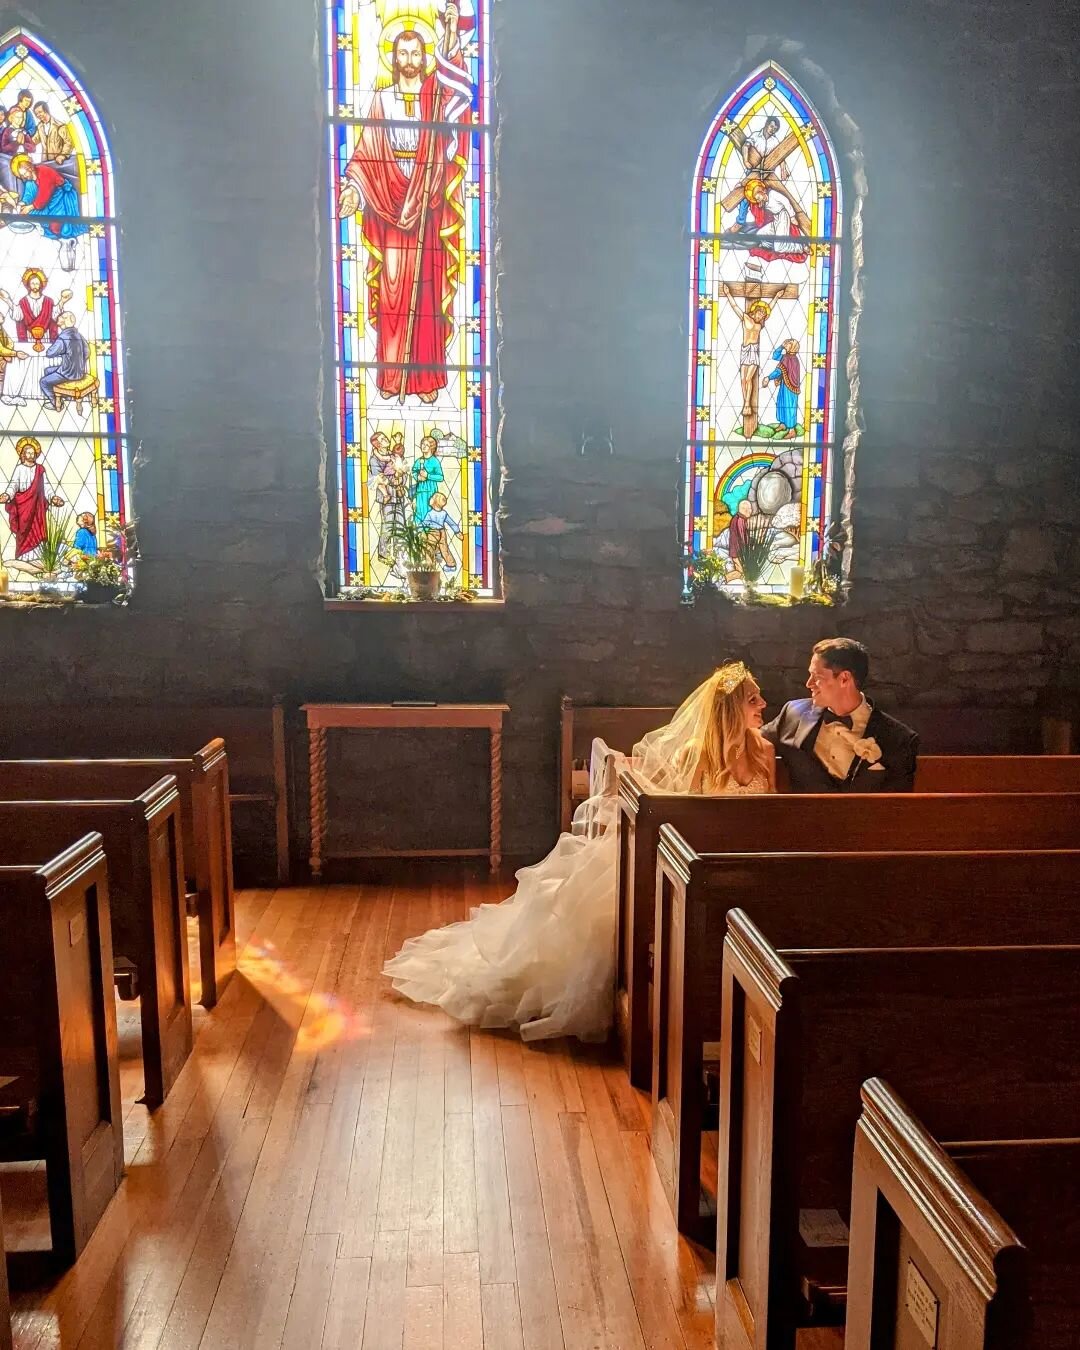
967 556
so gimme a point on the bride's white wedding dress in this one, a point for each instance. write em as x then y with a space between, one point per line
544 959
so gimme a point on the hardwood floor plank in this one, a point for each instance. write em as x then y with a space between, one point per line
361 1200
251 1305
511 1078
426 1197
495 1237
190 1309
459 1184
502 1320
690 1270
463 1326
357 995
423 1318
344 1325
458 1085
646 1253
595 1301
311 1293
541 1326
384 1326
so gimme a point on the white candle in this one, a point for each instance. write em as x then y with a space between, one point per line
797 583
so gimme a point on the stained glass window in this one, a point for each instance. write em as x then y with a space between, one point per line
767 234
410 139
64 480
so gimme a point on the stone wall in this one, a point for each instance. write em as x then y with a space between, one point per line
966 551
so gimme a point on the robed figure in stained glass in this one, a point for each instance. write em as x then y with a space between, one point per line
27 498
766 252
407 181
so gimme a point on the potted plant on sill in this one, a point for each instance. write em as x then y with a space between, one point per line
101 578
54 547
415 546
753 553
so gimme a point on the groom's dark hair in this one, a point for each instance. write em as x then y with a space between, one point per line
845 654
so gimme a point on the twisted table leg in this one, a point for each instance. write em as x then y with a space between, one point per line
317 772
496 798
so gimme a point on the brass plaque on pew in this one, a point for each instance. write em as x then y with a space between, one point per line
921 1304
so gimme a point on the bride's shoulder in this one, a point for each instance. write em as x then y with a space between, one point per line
767 746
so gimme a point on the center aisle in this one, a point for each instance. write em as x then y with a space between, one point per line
339 1168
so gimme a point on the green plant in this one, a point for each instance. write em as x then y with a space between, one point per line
754 552
707 571
57 537
95 571
415 544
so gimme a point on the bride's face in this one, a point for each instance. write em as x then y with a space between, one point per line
753 706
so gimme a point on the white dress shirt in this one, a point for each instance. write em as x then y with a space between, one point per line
834 741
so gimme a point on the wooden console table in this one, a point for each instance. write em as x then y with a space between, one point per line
324 717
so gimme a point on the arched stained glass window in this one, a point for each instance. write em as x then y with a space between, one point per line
63 435
767 233
410 179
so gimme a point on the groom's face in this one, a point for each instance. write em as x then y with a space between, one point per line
828 688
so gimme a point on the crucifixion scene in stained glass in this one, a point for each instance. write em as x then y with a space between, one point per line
410 151
765 270
64 483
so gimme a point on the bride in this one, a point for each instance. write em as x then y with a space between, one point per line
544 960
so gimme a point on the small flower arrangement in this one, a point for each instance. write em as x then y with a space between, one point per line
100 576
94 570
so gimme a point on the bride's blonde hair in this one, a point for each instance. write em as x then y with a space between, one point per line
725 737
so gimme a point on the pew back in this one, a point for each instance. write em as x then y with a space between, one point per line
254 738
58 1031
579 726
978 1034
803 900
5 1302
785 824
1007 1274
998 773
142 842
854 823
202 781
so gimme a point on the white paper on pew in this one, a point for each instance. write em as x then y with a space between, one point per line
920 1303
822 1228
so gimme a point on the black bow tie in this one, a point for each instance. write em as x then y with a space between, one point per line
830 716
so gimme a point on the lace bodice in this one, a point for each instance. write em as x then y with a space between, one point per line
757 786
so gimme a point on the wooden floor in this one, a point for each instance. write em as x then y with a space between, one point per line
338 1168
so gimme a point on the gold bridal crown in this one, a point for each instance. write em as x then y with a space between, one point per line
729 677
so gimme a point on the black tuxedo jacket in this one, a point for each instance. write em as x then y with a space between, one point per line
794 732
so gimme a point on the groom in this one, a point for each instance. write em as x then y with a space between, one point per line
836 740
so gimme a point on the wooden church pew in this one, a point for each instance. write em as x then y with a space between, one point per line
579 726
986 1033
254 738
58 1036
5 1298
202 781
970 1246
806 900
998 773
945 733
146 896
793 823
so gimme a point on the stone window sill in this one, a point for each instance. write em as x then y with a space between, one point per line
414 606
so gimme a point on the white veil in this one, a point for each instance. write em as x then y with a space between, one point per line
665 758
544 959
